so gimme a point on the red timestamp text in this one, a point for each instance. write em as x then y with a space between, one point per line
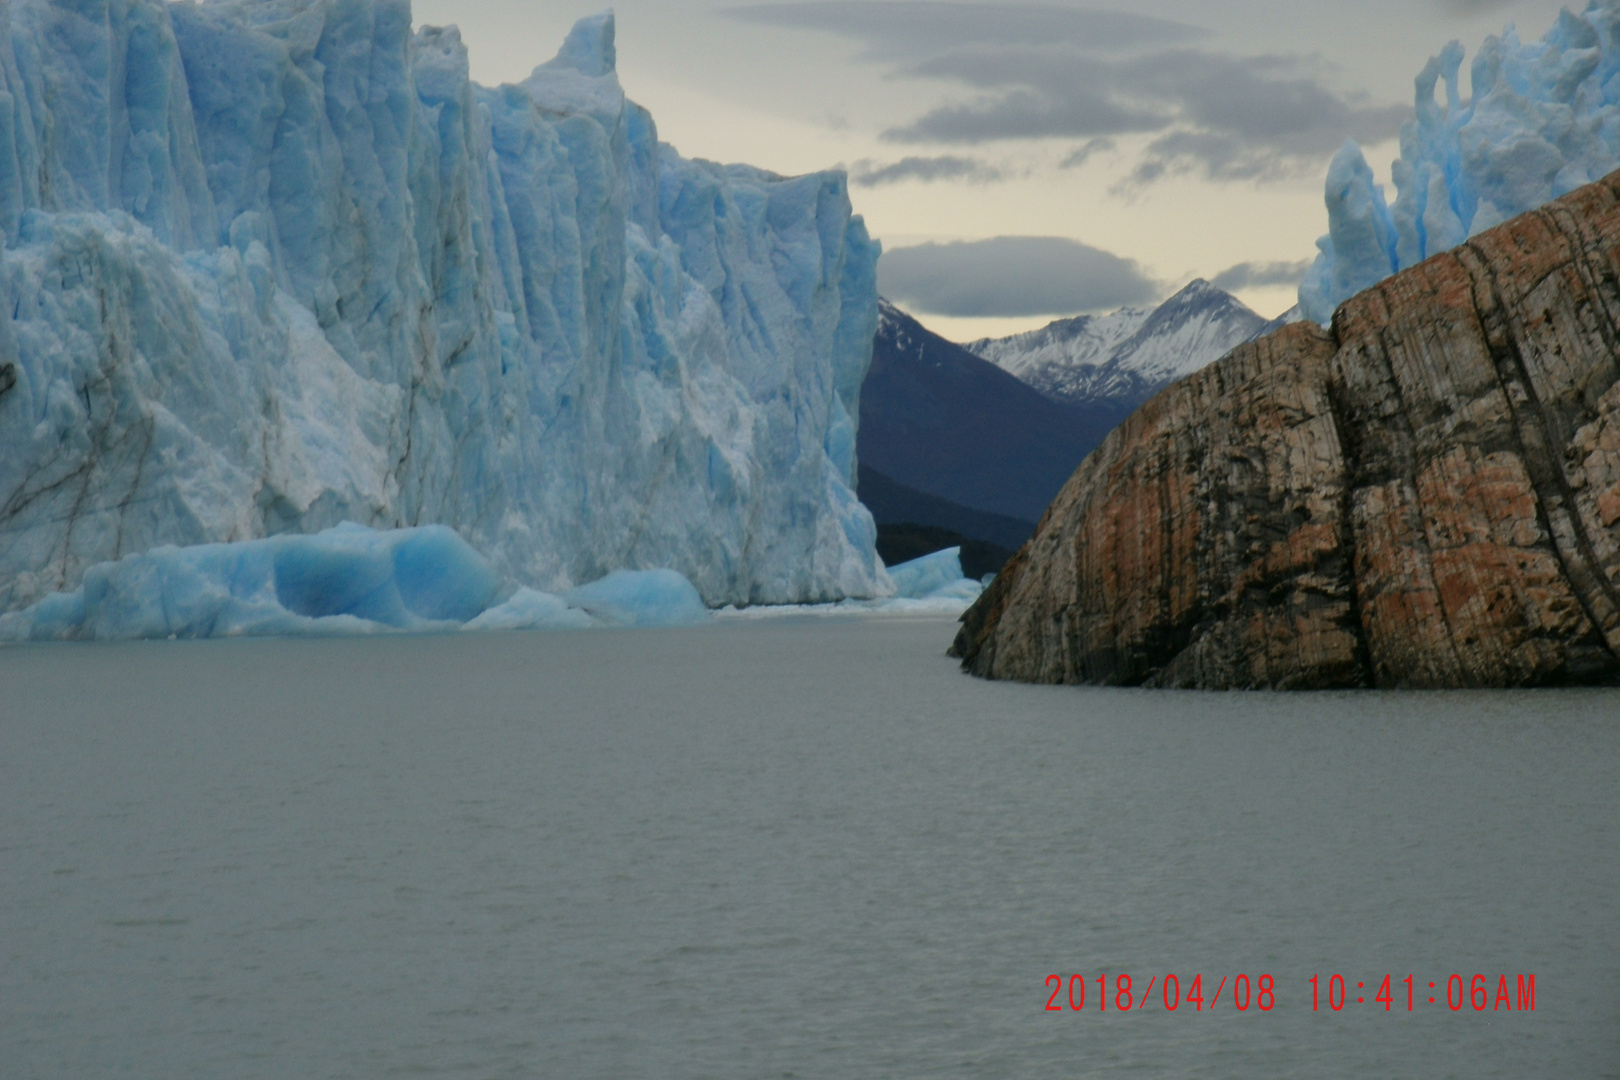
1241 993
1127 994
1479 993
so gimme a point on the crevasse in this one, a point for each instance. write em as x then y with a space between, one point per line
1543 120
274 265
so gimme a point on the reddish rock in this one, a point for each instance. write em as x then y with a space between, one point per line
1428 495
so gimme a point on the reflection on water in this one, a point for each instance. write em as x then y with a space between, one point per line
786 849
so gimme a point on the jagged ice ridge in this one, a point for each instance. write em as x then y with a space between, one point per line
276 265
1543 120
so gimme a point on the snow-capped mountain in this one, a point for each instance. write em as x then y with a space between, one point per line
944 422
1292 315
1122 359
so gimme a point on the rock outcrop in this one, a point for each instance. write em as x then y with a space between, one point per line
1425 495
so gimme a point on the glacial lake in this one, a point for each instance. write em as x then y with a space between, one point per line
792 848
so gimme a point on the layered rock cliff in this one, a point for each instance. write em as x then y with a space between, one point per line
1426 494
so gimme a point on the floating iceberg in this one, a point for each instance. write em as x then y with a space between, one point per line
921 578
931 585
275 265
1543 120
346 580
532 610
641 598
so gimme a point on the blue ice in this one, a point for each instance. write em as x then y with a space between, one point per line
274 265
930 576
1543 119
345 580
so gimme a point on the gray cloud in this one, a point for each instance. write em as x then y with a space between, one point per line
926 169
1040 92
1224 116
1254 275
1084 153
1041 71
894 29
1012 276
1474 7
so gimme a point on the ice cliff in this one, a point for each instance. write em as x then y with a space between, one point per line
1543 120
275 265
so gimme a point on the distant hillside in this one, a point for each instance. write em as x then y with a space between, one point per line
1120 360
893 503
897 544
943 422
1292 315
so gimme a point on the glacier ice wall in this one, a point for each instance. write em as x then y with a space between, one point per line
273 265
1543 120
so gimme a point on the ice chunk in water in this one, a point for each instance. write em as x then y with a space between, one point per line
346 580
531 610
641 598
928 575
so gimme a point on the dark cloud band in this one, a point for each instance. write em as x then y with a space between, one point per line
1227 117
1251 275
926 169
1040 71
1012 276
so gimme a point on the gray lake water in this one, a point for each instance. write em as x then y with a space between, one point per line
783 849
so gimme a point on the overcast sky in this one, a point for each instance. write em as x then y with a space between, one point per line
1052 155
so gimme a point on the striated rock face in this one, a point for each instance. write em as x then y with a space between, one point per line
1426 495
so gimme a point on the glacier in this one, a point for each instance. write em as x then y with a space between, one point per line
343 581
274 266
1543 120
932 585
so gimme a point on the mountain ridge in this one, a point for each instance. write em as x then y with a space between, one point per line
938 419
1123 358
894 503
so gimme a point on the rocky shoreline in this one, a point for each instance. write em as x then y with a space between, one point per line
1426 495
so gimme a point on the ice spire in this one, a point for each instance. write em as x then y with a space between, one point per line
1543 120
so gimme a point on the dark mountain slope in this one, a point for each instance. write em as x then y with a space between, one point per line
893 503
944 422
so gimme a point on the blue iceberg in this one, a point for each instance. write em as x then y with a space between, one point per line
1543 120
529 609
345 580
932 575
931 586
645 598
